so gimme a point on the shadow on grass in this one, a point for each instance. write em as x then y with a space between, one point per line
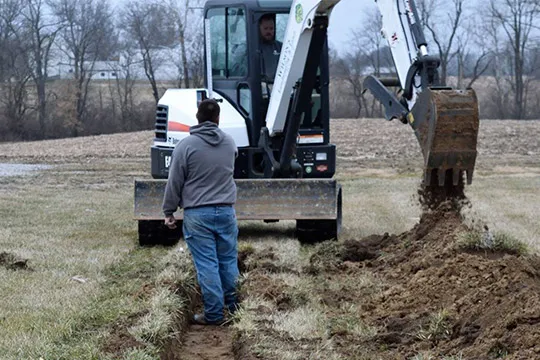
260 231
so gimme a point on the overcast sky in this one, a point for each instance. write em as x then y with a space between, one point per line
347 16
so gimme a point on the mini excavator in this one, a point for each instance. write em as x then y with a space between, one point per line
280 118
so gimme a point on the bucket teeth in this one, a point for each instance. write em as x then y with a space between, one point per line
427 177
441 176
456 174
469 176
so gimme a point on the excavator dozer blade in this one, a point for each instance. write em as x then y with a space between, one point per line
257 199
314 203
446 124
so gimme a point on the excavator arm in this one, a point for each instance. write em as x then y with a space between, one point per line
296 75
445 121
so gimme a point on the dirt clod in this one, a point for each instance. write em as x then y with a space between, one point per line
13 262
367 249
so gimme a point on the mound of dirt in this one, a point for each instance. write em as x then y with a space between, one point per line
13 262
437 297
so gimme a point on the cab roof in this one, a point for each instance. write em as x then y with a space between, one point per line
255 5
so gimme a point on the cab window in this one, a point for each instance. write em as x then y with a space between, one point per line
228 42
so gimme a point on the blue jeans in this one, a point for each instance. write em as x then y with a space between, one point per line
211 233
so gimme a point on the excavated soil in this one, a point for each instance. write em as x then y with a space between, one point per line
488 302
120 339
429 296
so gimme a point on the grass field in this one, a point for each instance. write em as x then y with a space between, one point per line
87 291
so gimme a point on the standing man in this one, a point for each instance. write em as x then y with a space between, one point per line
201 182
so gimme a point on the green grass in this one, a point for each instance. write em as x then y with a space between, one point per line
87 272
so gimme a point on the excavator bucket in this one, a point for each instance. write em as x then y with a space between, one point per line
446 123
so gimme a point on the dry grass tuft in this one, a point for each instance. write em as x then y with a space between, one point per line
487 241
438 327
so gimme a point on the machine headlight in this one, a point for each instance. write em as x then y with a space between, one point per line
321 156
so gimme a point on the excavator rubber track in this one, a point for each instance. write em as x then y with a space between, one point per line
446 124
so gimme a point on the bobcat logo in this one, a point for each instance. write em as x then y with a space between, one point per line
299 13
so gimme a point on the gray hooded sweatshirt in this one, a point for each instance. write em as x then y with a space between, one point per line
202 169
270 52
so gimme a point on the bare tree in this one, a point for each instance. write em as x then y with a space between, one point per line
369 55
368 41
443 20
122 90
147 24
180 11
196 59
87 36
14 71
473 54
40 29
350 67
516 19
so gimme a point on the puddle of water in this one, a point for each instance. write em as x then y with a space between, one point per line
20 169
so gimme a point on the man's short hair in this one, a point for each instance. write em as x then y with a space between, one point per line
208 111
267 17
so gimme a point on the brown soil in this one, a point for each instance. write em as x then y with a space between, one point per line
383 145
13 262
120 340
204 343
429 296
198 342
491 301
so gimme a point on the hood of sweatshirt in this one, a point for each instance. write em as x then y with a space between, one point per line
209 132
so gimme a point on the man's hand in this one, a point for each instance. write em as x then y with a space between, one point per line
170 222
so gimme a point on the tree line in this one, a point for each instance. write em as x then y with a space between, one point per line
37 34
490 45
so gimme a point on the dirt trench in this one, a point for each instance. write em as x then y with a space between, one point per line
428 296
187 341
203 342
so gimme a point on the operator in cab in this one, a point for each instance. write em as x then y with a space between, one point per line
270 48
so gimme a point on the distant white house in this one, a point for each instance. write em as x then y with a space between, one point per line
165 63
101 70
